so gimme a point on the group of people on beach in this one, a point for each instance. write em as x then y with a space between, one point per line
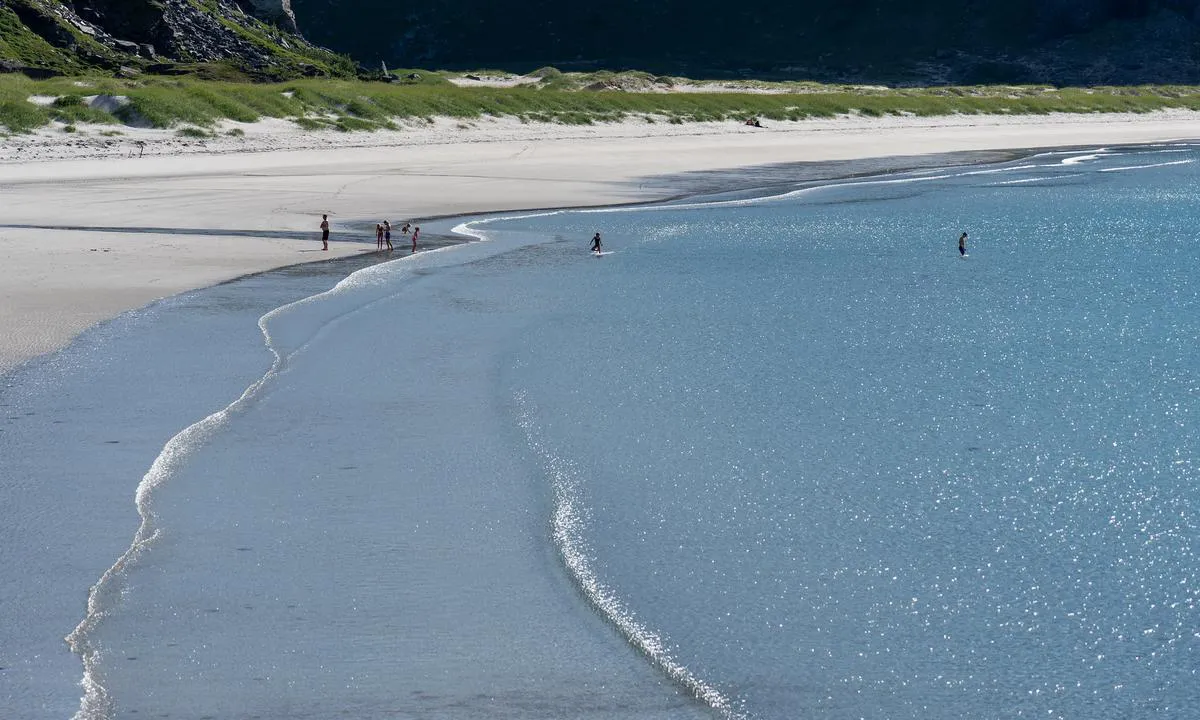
383 234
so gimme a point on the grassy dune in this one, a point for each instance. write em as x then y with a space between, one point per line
349 105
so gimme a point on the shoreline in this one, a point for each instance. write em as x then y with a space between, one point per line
86 238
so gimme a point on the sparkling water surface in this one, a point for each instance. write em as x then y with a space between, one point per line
846 473
777 458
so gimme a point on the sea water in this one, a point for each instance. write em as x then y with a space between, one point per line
773 457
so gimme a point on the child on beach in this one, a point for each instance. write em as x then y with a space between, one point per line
387 234
378 236
416 232
325 232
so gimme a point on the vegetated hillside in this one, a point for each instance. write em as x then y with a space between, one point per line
918 41
221 37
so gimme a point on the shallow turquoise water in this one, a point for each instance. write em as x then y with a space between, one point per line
782 458
844 473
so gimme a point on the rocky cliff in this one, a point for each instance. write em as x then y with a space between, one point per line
256 37
1062 42
918 41
276 11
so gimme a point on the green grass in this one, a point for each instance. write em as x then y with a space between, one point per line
71 108
193 132
350 124
19 43
17 114
350 105
307 123
424 77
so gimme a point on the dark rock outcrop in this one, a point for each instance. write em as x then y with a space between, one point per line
120 33
45 25
278 12
135 21
176 29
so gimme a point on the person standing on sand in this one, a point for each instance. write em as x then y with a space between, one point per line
962 245
596 243
324 232
387 234
378 237
416 232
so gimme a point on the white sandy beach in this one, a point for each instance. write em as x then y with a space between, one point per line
89 229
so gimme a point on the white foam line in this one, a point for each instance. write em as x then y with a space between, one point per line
993 171
1036 179
1150 149
1083 158
468 228
1056 153
96 702
567 523
1143 167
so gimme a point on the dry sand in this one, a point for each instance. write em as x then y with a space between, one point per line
87 231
